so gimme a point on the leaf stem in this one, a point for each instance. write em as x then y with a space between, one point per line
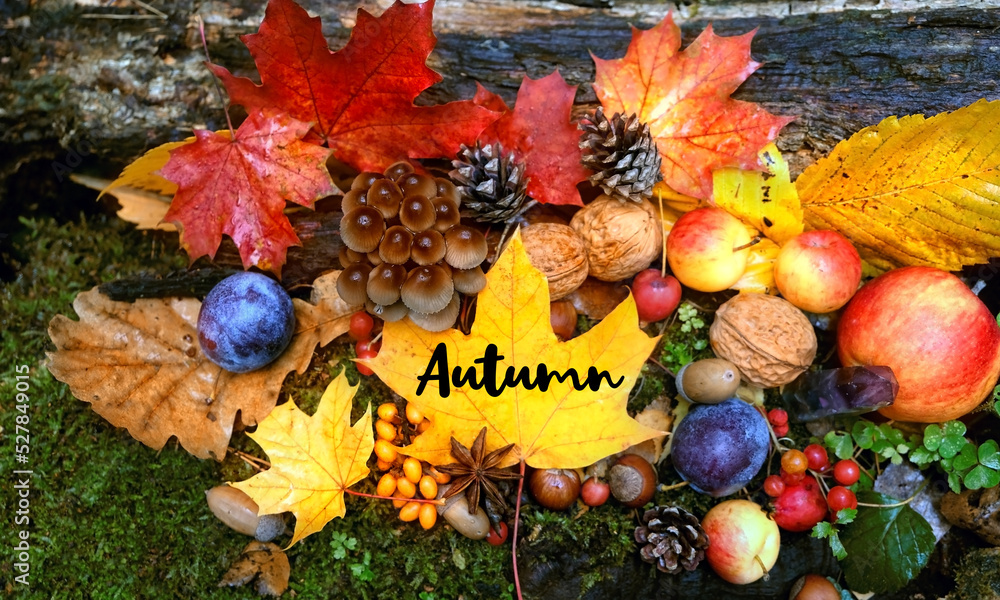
215 80
663 236
667 488
517 519
900 503
437 501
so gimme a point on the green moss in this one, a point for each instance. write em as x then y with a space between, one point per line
977 578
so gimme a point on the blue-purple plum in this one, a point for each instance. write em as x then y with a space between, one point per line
719 448
245 322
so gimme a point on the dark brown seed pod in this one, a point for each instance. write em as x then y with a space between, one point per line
441 320
416 184
395 246
364 180
708 381
555 489
447 189
562 316
385 196
352 200
384 282
352 285
349 257
469 281
397 171
446 213
466 247
417 213
391 313
427 248
362 229
632 480
427 289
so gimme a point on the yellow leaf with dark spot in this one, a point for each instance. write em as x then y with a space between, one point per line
767 201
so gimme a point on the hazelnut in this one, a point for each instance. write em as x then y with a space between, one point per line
559 253
622 238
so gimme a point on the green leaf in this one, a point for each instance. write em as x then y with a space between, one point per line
981 477
894 436
955 482
967 458
951 445
922 457
989 454
824 529
846 515
886 547
954 428
864 434
932 437
840 444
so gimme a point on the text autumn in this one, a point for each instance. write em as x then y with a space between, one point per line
437 370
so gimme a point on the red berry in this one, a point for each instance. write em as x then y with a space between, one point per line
594 492
839 498
362 368
361 326
794 461
777 416
365 345
774 486
846 472
791 479
801 506
780 430
656 297
818 459
497 538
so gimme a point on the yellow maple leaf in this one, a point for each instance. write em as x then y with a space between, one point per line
767 201
313 459
913 190
560 427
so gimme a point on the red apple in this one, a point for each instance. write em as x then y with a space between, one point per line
939 339
742 542
656 297
818 271
701 249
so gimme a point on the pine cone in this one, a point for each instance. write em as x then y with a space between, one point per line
672 539
623 154
492 183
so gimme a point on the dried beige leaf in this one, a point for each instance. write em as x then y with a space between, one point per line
144 208
266 563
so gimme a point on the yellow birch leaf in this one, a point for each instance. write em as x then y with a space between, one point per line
559 427
313 459
767 201
913 190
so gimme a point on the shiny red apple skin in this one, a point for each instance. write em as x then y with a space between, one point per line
700 249
939 339
818 271
656 297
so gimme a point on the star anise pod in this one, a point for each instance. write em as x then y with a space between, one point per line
476 470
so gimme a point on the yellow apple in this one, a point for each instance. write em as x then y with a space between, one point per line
701 249
818 271
742 542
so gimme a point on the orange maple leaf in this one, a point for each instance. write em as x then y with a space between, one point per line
313 459
559 427
239 187
684 97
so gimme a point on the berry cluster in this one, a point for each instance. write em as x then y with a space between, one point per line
405 251
799 501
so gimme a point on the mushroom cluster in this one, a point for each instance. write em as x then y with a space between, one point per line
405 252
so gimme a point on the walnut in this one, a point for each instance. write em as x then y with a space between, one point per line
622 238
558 252
768 339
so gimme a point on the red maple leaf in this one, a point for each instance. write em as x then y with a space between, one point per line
239 187
539 132
361 97
684 97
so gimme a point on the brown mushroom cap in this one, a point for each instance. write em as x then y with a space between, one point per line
374 258
427 289
446 213
364 180
351 200
417 213
352 285
391 313
395 246
398 170
384 282
362 229
447 189
439 321
416 184
385 196
469 281
428 247
349 257
466 247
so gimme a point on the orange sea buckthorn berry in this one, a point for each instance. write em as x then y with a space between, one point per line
386 485
382 465
423 426
388 411
406 488
386 451
412 469
385 430
428 487
401 501
410 512
428 515
413 414
439 477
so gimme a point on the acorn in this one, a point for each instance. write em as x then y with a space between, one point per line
555 489
390 314
427 247
466 247
455 510
395 245
439 321
708 381
385 196
446 213
469 281
384 282
352 200
427 289
632 480
352 285
416 184
362 229
447 189
398 170
417 213
238 511
365 180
